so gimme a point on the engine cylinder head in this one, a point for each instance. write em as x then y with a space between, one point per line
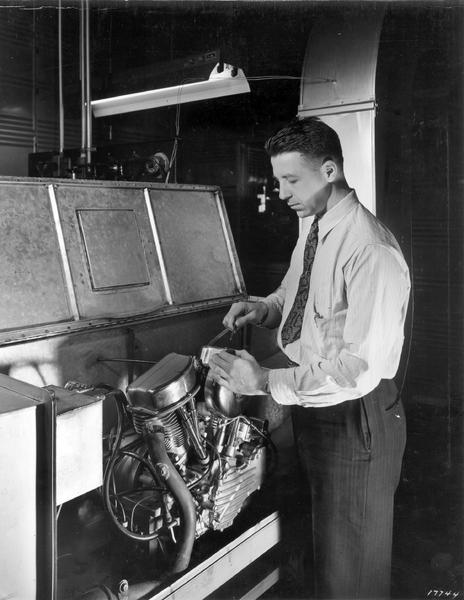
165 385
174 434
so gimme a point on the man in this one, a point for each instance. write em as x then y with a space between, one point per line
340 313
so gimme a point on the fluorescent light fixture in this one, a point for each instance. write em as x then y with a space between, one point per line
228 82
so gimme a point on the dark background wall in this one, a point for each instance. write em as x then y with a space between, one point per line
420 178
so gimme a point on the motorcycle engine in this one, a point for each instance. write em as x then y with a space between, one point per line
184 459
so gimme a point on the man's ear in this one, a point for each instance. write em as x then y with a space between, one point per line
330 170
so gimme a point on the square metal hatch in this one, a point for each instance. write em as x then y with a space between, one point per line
113 248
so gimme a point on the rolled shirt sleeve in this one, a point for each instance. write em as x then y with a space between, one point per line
277 298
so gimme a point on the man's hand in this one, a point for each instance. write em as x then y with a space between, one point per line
239 372
243 313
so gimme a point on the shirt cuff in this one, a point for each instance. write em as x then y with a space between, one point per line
281 386
264 319
273 301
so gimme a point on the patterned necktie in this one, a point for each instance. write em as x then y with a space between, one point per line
291 330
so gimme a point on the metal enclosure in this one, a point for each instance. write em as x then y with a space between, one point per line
79 451
27 493
338 85
94 273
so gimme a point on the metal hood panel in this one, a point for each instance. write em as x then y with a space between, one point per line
86 254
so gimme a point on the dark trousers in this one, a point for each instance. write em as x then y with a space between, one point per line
351 457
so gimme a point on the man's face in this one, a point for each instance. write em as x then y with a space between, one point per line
302 183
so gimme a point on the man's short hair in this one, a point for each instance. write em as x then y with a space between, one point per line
310 136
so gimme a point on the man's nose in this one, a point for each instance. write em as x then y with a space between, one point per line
284 193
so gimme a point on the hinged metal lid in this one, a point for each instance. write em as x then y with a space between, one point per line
86 254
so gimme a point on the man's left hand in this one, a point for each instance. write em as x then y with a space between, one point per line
239 372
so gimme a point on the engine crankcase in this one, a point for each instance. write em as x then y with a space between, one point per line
231 492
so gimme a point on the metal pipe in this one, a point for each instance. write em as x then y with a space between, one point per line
60 84
87 85
34 81
82 76
193 434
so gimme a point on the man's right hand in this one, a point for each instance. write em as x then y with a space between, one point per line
244 313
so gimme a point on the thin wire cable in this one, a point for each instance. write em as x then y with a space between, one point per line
138 503
218 456
177 124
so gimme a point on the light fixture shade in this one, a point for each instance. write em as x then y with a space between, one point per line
219 84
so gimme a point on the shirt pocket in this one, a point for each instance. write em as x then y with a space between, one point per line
321 327
329 328
322 303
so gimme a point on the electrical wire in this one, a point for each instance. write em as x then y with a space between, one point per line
118 435
218 456
117 503
177 125
142 460
194 484
138 503
267 438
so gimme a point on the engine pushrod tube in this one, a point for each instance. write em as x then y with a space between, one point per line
193 436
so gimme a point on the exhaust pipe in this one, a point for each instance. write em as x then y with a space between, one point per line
153 433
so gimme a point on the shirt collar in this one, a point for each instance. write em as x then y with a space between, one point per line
333 216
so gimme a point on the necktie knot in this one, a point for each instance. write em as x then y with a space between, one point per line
314 230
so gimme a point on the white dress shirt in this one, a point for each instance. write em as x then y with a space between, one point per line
352 331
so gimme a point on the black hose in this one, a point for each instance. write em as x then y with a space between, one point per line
153 433
108 475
